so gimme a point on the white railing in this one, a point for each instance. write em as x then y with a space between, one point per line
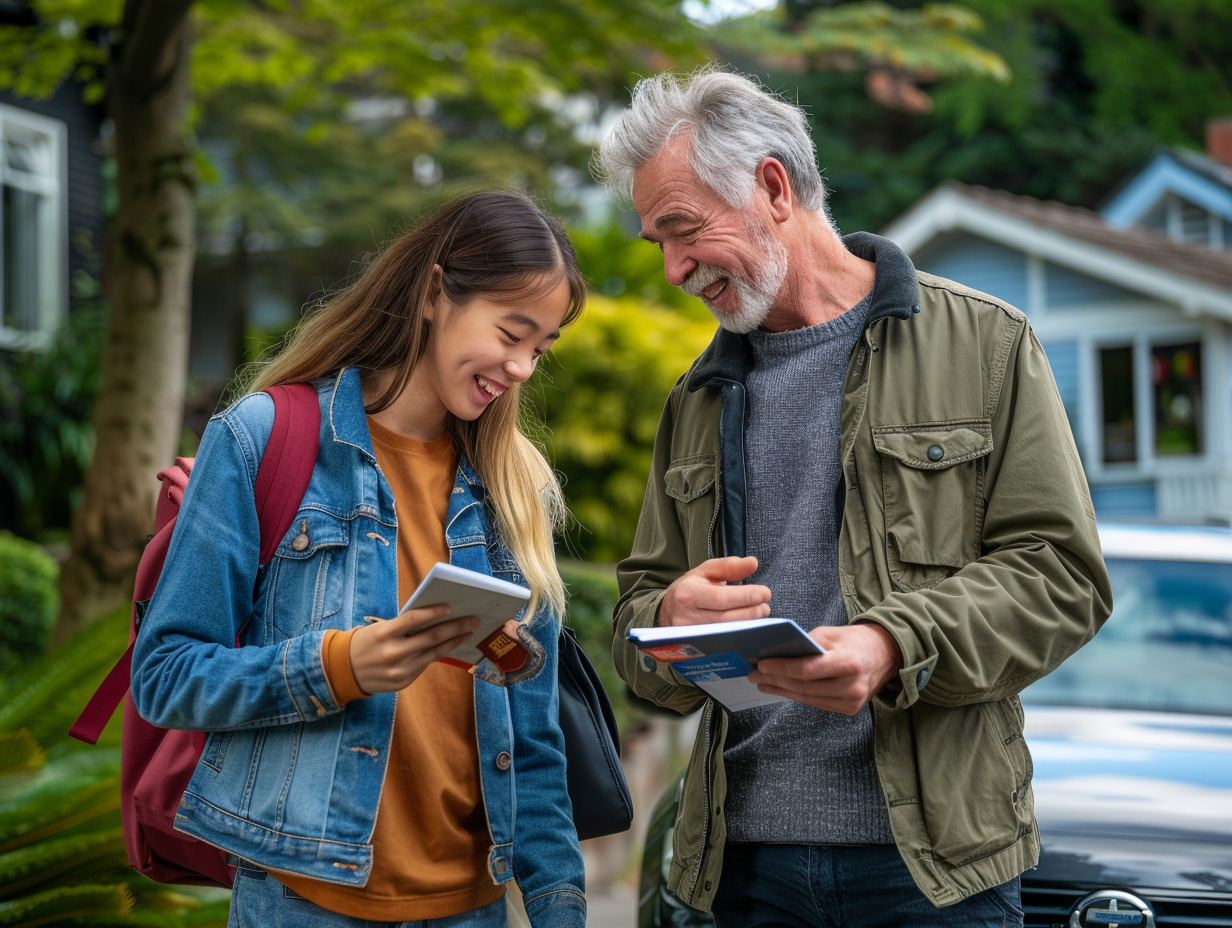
1194 497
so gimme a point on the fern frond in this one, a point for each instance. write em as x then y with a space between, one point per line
50 809
73 859
45 695
65 902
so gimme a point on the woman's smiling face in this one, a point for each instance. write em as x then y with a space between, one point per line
478 349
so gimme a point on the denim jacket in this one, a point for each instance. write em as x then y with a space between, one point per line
289 778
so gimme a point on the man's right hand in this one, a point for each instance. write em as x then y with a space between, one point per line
711 592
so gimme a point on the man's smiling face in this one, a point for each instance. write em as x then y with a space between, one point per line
726 256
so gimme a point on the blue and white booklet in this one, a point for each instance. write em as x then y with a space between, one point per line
719 656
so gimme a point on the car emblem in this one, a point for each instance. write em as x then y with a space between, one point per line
1111 907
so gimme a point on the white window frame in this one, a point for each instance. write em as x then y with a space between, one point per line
51 221
1149 464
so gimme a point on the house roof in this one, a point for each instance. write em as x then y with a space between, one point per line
1140 244
1190 175
1196 161
1197 278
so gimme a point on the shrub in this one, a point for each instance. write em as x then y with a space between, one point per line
28 598
46 433
601 390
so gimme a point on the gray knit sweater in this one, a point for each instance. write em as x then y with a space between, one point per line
797 774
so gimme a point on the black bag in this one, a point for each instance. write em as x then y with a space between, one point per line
597 787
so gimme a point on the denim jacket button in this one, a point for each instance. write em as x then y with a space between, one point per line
503 761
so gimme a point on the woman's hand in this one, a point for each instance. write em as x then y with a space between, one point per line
390 654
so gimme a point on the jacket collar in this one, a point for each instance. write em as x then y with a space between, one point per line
896 292
349 422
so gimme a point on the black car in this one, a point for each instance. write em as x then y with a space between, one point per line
1132 746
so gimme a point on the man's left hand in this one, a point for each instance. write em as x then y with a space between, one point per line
859 660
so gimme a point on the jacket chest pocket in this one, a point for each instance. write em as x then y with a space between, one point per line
691 483
308 582
932 480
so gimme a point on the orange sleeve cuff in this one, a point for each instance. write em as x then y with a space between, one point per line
336 658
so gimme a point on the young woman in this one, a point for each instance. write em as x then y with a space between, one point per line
356 779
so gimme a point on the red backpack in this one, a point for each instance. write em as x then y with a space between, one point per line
157 763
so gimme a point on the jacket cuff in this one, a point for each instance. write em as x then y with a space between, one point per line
903 691
562 908
911 680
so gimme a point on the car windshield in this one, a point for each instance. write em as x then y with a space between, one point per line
1166 647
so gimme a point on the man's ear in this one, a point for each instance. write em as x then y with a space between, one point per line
772 178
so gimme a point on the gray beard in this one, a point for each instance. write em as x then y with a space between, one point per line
753 298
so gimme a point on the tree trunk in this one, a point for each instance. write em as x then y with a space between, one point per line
139 408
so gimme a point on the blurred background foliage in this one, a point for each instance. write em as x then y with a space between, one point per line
602 390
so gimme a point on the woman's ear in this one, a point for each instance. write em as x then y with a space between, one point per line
435 289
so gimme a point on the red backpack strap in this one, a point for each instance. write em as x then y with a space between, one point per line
288 462
282 478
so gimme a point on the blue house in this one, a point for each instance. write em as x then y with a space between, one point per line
1133 305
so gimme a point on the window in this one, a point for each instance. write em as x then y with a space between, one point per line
1171 410
31 226
1176 381
1116 377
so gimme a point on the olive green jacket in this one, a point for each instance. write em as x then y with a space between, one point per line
966 530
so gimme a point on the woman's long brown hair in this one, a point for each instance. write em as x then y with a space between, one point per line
486 244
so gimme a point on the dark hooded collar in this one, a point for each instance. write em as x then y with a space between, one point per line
896 292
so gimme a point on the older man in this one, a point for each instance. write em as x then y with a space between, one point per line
881 455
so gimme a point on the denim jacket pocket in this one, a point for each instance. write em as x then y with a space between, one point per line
691 483
307 574
932 479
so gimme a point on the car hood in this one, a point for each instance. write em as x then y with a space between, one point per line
1147 795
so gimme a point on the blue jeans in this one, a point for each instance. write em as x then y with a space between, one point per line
843 886
258 900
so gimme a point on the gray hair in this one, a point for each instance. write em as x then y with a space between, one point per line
733 123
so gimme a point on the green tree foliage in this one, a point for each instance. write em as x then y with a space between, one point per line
928 43
602 390
62 857
1096 87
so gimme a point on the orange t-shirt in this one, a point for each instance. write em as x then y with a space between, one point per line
431 843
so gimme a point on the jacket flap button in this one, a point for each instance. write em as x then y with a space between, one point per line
921 680
935 453
503 761
300 542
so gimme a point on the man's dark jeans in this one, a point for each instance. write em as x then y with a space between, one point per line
844 886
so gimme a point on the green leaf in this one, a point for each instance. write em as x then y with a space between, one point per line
19 753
